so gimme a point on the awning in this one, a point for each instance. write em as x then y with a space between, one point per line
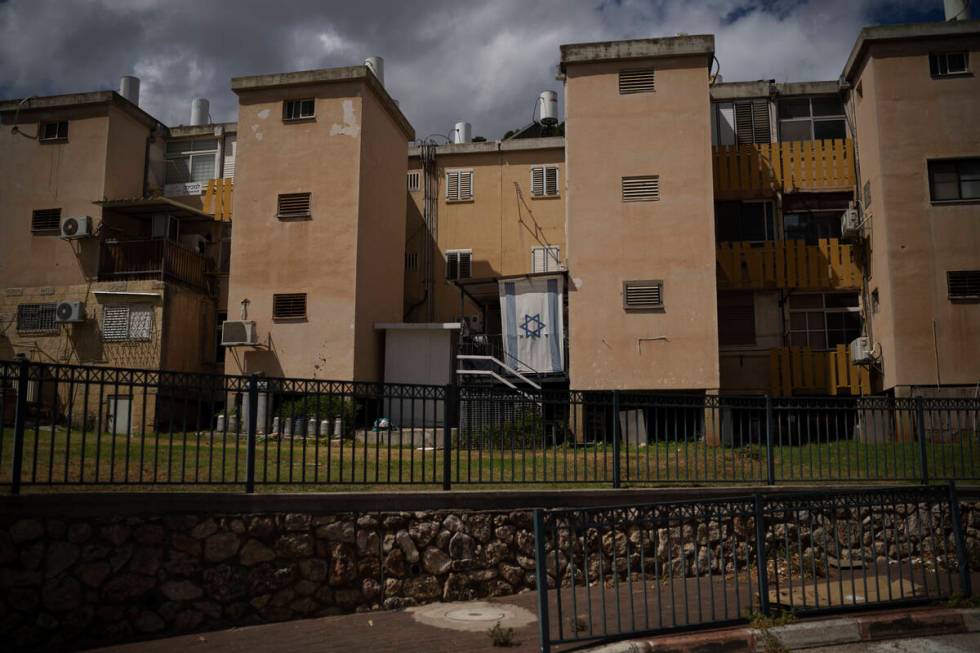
154 205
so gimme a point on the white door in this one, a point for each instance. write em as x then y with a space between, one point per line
119 410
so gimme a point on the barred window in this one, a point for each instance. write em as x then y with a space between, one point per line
37 318
414 181
289 306
127 322
46 222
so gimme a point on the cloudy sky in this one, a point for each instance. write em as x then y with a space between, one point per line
445 60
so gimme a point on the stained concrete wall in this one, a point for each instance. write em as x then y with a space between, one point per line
610 136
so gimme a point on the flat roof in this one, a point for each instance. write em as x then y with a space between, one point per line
484 147
764 88
68 100
150 205
905 32
325 76
670 46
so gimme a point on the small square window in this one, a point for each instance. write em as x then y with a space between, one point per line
298 109
46 222
53 131
289 306
945 64
954 180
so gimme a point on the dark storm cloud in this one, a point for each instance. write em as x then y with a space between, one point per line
444 61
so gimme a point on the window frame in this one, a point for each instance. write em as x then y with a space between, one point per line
649 308
941 60
459 172
48 230
812 118
290 296
287 118
544 169
555 258
930 173
171 158
59 137
46 316
131 308
768 219
824 310
458 268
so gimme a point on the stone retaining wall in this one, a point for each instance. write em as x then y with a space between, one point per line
78 581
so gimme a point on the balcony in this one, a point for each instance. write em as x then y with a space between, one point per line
752 171
122 260
217 198
829 265
803 371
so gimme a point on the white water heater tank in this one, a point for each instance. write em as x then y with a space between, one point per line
377 66
129 88
549 107
200 111
462 133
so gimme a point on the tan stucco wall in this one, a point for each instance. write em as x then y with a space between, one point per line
126 155
906 118
609 136
501 224
34 175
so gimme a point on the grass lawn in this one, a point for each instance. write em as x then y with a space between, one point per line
217 461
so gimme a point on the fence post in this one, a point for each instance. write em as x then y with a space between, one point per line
770 460
253 409
962 560
450 411
617 471
920 434
541 581
20 419
760 555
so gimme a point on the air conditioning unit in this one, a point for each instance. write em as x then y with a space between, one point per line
860 350
473 323
238 332
73 227
850 225
68 312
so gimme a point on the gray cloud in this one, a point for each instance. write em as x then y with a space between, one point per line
444 60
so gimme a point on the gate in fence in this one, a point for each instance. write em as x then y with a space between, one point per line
615 573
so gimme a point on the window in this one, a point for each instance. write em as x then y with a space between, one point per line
459 264
293 205
740 122
638 80
46 222
53 131
736 318
823 321
459 185
811 226
816 118
298 109
545 259
744 221
289 306
544 181
947 64
127 322
954 180
414 181
190 161
964 284
643 295
36 318
411 261
641 189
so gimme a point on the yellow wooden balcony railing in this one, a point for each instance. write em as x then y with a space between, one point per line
217 198
829 265
746 171
802 371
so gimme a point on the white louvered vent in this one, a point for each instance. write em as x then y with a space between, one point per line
459 185
414 181
294 205
641 189
752 121
231 150
639 295
637 80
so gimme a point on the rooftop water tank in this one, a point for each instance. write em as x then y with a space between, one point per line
377 66
200 111
462 133
549 107
129 88
957 9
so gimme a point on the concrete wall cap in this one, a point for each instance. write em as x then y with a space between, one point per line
671 46
516 145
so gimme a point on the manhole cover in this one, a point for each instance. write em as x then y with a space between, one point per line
478 614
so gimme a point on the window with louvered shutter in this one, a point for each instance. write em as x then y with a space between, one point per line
289 306
459 264
637 80
643 295
459 185
964 284
544 181
545 259
752 122
537 181
294 205
641 189
46 222
36 318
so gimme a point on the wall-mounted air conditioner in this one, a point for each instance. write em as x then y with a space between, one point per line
861 351
73 227
68 312
238 332
850 225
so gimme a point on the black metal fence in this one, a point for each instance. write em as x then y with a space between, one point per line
81 425
611 573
